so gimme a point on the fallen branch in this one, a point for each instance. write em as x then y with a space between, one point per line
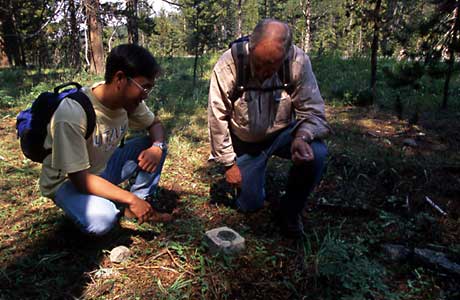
159 267
178 265
157 255
435 206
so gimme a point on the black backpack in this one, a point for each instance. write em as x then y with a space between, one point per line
243 72
31 124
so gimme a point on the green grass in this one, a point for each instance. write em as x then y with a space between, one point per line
361 204
342 80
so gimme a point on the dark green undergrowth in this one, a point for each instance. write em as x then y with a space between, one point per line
361 204
346 81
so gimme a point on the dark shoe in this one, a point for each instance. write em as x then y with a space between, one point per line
291 227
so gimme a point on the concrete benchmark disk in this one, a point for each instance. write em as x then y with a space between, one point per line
224 239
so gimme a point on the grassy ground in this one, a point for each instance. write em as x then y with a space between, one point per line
360 205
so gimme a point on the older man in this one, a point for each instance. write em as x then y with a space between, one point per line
264 101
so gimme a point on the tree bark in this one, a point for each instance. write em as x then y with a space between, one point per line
74 37
96 50
455 31
133 26
375 48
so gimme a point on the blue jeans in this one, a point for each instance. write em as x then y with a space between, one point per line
96 215
302 178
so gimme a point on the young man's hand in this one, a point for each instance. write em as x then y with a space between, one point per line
144 212
150 158
233 176
301 151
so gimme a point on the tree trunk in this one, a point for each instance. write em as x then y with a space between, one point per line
239 31
351 45
375 48
195 66
3 58
95 37
88 62
74 38
455 31
11 38
133 27
306 43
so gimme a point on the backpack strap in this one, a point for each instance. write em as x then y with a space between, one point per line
285 73
240 56
60 87
87 106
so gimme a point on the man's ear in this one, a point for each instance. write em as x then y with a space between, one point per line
119 78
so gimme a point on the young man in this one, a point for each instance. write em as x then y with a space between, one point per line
81 175
267 119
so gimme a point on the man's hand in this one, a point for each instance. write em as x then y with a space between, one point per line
149 159
301 151
141 209
144 212
233 176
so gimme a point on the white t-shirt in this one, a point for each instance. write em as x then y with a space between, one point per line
71 152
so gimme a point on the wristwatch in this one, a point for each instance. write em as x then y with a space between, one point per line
304 138
160 145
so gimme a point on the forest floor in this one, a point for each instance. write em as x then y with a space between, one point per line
372 194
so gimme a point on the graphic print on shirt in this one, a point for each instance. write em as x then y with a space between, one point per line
109 138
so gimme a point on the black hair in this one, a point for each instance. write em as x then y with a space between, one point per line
133 60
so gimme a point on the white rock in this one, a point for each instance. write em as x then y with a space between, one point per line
119 254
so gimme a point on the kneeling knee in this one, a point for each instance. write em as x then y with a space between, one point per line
101 223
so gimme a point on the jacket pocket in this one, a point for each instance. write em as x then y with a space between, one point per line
284 110
240 112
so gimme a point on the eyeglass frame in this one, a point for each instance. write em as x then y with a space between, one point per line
146 92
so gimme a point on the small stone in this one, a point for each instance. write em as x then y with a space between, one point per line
224 239
119 254
396 252
410 143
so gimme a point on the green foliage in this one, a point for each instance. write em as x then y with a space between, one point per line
169 39
341 79
403 74
349 272
345 80
201 18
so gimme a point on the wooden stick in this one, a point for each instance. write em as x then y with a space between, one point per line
435 206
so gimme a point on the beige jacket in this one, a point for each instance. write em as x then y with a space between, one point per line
257 115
